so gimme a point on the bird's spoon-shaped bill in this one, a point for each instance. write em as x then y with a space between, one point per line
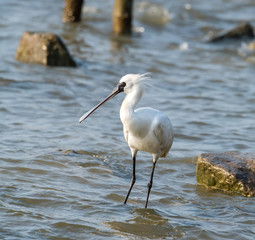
87 114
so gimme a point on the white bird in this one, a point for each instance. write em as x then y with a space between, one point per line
145 129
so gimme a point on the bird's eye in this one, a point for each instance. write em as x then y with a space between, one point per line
123 84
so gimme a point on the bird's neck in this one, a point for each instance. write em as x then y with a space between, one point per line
128 105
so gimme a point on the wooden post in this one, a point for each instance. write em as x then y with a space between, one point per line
72 11
122 17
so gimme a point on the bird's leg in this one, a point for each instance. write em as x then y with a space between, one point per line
132 180
150 183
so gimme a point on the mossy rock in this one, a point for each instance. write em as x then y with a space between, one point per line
43 48
229 171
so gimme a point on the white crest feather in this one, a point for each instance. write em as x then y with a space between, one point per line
146 77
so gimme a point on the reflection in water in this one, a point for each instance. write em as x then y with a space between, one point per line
146 223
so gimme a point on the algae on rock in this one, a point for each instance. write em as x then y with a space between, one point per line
229 171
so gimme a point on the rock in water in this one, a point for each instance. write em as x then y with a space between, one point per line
43 48
230 171
243 31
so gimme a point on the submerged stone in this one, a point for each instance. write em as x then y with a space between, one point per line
229 171
243 31
69 151
43 48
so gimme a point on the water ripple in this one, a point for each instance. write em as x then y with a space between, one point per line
62 180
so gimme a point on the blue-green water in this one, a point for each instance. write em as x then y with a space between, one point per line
207 90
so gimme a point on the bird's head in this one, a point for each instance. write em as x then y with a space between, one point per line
131 82
127 84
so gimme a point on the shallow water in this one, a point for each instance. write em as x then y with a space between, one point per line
206 89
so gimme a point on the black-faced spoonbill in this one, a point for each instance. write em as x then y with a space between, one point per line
145 129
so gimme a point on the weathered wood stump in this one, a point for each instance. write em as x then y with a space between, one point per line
122 17
72 11
230 171
43 48
243 31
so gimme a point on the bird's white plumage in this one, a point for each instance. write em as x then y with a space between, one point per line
145 129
